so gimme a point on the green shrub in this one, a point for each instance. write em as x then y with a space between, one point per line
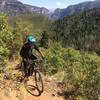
4 39
3 56
53 60
82 71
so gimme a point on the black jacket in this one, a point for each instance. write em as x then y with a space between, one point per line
26 50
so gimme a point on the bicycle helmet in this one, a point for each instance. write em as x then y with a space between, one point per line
31 39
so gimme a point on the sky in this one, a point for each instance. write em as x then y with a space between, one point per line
52 4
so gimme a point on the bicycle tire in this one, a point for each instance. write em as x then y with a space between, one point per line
39 81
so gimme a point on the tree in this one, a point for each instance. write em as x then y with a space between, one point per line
5 36
44 39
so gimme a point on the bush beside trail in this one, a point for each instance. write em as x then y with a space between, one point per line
81 79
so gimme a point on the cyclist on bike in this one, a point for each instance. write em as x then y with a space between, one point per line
26 51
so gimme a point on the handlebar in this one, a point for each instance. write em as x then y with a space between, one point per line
37 60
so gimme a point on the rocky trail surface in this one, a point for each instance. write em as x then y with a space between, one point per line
10 89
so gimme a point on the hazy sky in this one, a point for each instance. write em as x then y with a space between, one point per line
50 4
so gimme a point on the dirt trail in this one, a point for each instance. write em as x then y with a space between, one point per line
10 90
9 93
44 96
26 96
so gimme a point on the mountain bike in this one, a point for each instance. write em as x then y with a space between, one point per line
33 70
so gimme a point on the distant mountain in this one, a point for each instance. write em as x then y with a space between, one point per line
60 13
15 7
39 10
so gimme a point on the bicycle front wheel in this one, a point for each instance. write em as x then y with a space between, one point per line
39 81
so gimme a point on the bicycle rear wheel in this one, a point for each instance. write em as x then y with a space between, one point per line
39 81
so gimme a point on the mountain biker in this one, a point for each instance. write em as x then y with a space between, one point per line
26 51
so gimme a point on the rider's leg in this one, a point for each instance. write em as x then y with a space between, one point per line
25 68
32 58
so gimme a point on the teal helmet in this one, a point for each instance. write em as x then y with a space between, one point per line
31 39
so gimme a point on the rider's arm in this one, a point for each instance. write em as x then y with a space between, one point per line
37 48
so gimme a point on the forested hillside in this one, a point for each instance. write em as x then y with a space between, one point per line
80 31
33 23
